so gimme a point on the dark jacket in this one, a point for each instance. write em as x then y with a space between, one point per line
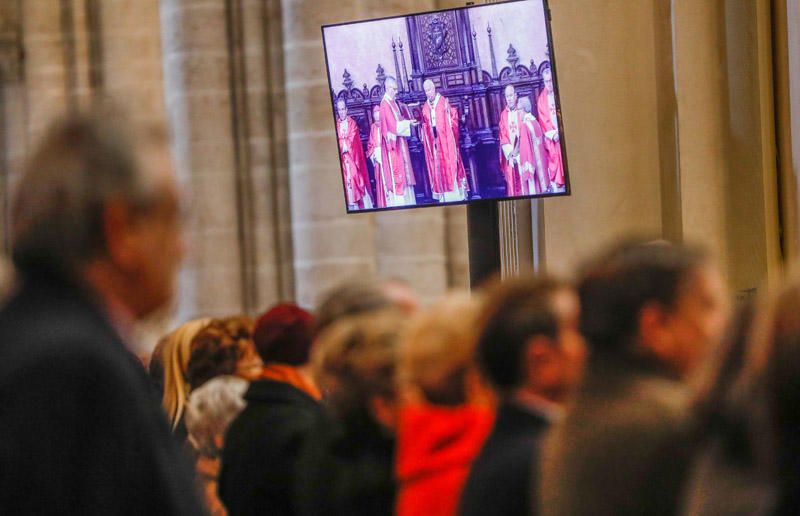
623 447
261 447
81 431
346 469
500 481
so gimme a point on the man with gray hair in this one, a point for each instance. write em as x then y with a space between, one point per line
96 243
440 134
396 160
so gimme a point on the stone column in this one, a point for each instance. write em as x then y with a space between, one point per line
278 150
45 68
198 100
329 246
261 116
130 43
457 250
726 127
610 127
13 141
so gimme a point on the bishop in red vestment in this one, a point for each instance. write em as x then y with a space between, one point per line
354 165
395 158
440 141
532 153
374 155
510 123
548 119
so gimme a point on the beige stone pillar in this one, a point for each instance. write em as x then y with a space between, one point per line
608 85
793 112
224 78
726 127
752 196
329 246
198 101
45 70
13 141
699 52
266 128
130 53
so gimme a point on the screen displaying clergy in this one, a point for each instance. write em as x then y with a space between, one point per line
423 120
440 132
395 158
354 164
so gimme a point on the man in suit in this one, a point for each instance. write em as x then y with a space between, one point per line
96 243
531 351
648 313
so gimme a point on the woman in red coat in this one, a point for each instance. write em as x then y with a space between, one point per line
446 412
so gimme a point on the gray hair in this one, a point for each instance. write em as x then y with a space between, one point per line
83 163
390 79
347 299
210 410
525 104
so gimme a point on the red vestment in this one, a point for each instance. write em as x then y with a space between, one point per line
532 156
445 167
374 155
509 135
396 161
548 119
354 165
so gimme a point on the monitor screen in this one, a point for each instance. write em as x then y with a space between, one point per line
447 107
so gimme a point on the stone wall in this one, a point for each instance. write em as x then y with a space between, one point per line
243 89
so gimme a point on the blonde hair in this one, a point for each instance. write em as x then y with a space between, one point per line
437 353
353 360
218 348
174 349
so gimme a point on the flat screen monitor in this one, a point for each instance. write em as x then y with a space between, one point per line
447 107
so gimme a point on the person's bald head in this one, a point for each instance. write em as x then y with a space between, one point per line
391 87
341 109
547 77
511 96
430 89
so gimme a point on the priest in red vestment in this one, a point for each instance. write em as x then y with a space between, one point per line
374 155
440 141
510 123
354 164
548 119
532 153
395 158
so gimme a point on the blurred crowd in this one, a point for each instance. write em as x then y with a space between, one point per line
634 387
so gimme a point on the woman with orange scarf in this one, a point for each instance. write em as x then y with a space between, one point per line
282 405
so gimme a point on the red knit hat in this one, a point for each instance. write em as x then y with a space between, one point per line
284 334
